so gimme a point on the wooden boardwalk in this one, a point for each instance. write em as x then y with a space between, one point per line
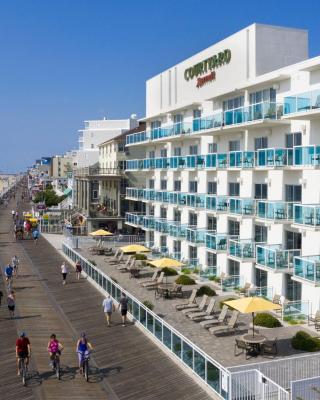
126 364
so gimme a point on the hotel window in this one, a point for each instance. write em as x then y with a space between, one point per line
234 145
151 210
177 186
196 114
177 151
163 212
212 223
163 153
193 186
212 148
233 227
193 150
211 259
260 143
234 189
212 188
233 103
193 219
293 240
260 233
293 139
95 194
178 118
293 192
152 154
262 96
260 191
155 124
233 268
151 183
193 252
177 216
176 246
163 241
163 184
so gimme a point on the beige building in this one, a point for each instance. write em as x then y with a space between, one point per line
61 166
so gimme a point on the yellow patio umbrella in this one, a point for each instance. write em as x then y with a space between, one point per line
252 305
134 248
166 263
101 233
33 219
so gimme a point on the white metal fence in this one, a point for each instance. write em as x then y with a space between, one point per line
306 389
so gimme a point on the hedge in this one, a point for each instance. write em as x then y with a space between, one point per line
266 320
169 271
205 290
185 280
305 342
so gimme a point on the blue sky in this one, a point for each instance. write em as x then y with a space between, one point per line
66 61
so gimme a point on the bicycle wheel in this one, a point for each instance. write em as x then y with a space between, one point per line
58 369
86 370
23 372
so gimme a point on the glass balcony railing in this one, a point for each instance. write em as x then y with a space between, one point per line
241 206
274 257
177 230
231 283
216 241
306 155
211 202
196 235
308 215
222 160
241 159
213 121
243 248
274 157
261 291
274 210
137 137
208 272
149 194
307 268
161 225
148 222
134 219
222 203
134 193
254 112
302 102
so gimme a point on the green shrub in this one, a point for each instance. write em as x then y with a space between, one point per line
186 271
196 271
185 280
148 304
92 262
266 320
221 304
140 256
303 341
205 290
291 320
169 271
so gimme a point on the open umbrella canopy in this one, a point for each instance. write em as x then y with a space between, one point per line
134 248
33 219
100 232
248 305
166 263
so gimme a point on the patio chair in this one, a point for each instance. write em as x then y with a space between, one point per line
126 267
191 302
117 260
241 345
314 318
212 321
276 299
230 326
269 347
153 285
176 291
200 307
194 316
127 263
116 255
150 280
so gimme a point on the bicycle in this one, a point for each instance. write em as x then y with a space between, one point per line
23 370
56 365
85 364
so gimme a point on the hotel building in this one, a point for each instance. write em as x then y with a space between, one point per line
231 163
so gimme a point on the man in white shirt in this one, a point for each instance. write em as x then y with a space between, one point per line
64 272
108 307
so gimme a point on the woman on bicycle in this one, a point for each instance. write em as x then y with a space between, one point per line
83 349
54 349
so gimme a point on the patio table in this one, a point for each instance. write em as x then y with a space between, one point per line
254 342
164 289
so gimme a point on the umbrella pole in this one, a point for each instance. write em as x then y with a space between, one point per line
252 324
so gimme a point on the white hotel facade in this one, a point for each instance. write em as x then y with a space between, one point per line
232 156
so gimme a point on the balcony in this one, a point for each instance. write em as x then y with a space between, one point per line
222 204
216 241
272 158
231 283
98 172
149 194
274 257
241 159
303 103
307 155
308 269
242 207
161 225
138 137
177 230
244 249
134 219
148 222
134 193
196 236
307 215
277 211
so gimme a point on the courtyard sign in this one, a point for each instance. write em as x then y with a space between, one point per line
207 65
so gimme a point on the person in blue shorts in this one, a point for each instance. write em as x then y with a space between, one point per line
8 273
83 349
35 235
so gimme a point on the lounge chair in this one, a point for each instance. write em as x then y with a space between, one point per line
191 302
117 259
198 308
314 318
126 267
116 255
242 345
176 291
153 285
276 299
230 326
197 316
212 321
152 280
269 347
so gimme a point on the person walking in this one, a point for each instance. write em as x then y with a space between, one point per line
108 307
78 269
35 235
64 272
15 263
13 213
11 301
123 305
